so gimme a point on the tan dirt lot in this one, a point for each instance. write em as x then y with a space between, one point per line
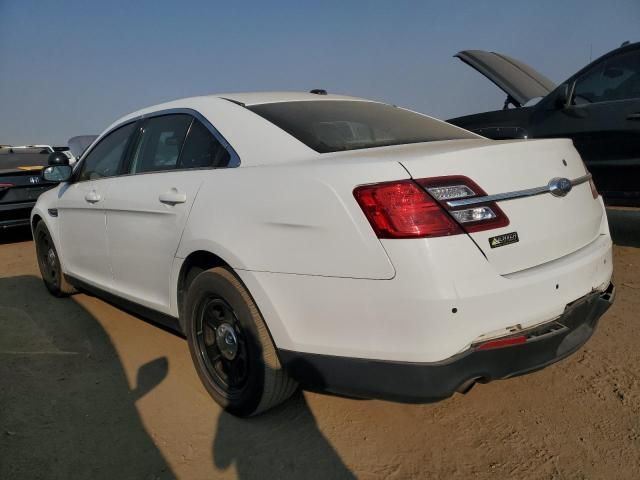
88 391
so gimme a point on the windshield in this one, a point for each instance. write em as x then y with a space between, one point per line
336 125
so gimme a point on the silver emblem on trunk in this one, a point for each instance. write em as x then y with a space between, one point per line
559 187
34 179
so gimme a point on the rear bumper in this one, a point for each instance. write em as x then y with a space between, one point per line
15 214
427 382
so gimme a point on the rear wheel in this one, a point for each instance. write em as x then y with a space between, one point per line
49 263
231 347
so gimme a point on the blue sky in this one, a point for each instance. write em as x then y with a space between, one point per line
70 68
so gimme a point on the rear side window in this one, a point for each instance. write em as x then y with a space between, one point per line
105 158
202 149
160 143
335 125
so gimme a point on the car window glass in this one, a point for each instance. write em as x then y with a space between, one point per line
202 149
160 143
335 125
105 158
617 78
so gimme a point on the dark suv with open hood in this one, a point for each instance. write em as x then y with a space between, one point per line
598 108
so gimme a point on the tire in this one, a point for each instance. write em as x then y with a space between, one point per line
231 347
49 263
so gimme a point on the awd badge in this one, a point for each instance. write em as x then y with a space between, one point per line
504 239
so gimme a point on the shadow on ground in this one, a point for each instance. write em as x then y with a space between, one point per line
284 443
66 409
625 226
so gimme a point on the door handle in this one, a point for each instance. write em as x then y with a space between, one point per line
172 197
92 197
634 116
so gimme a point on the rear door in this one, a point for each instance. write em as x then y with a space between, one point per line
81 209
604 123
147 210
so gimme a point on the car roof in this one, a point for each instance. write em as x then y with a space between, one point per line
258 98
227 113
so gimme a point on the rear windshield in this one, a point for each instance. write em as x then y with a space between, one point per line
335 125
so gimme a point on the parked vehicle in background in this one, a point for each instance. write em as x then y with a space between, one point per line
21 181
598 108
333 242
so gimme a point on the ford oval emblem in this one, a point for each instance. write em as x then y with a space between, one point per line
559 187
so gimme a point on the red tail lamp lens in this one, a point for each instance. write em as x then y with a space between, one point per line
404 210
502 342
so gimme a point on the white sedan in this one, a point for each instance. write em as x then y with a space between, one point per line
332 242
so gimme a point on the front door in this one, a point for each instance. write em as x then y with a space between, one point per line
81 212
147 210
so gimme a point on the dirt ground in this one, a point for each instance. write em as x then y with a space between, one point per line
88 391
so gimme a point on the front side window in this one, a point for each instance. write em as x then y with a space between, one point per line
201 149
160 143
617 78
335 125
105 158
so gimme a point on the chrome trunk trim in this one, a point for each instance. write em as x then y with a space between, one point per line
529 192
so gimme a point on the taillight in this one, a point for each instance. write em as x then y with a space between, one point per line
404 210
473 218
4 186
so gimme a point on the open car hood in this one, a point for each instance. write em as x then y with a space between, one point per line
519 81
77 145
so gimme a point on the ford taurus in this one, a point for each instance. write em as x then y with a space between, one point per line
332 242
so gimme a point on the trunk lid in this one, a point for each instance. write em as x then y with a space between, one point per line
548 227
516 79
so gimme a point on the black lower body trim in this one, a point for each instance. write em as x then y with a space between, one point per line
14 223
15 214
428 382
164 320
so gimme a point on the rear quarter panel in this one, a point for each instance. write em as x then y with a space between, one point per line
298 218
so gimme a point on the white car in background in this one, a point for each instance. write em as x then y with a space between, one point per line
334 242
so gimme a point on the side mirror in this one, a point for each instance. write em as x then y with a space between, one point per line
562 97
57 173
58 158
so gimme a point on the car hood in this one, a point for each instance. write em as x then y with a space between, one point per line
77 145
516 79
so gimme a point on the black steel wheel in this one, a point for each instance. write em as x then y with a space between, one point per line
222 345
49 263
231 347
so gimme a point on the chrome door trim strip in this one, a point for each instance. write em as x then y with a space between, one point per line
529 192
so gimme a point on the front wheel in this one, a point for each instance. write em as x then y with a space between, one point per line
49 263
231 347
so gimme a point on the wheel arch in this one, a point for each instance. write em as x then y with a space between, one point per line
194 263
35 220
204 259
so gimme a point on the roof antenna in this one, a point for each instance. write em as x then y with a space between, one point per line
318 91
625 43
